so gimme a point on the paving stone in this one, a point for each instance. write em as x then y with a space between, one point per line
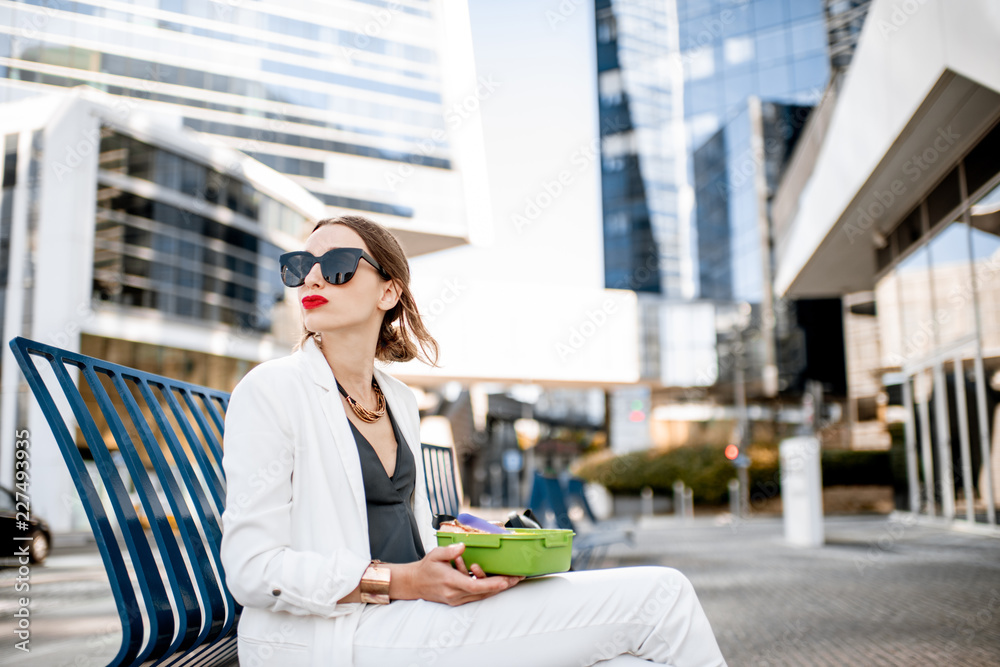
882 591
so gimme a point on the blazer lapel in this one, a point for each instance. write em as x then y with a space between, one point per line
335 417
410 428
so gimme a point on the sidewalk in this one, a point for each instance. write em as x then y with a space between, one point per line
881 592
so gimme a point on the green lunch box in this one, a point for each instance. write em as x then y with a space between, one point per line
525 552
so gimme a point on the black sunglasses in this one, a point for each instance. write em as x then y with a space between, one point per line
337 265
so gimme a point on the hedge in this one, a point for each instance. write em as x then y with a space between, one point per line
705 469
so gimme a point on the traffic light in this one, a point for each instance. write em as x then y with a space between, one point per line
739 459
637 413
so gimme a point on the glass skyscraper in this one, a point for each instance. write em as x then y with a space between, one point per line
345 97
776 50
642 153
670 75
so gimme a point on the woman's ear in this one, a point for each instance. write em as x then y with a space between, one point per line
390 296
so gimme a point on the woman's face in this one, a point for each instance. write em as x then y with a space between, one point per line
359 303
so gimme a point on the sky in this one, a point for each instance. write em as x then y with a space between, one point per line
539 123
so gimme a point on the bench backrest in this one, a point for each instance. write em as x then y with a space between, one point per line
157 441
441 479
165 447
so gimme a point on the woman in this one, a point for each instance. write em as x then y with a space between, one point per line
322 465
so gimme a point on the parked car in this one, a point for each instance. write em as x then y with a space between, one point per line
37 529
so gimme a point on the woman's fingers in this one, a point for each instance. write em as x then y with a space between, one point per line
448 553
460 566
453 584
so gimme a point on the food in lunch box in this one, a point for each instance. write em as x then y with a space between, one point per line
467 523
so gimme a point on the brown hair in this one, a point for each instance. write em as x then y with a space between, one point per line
408 339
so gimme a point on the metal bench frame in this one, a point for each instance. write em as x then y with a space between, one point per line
191 583
173 567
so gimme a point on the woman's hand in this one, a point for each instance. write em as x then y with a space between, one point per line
433 578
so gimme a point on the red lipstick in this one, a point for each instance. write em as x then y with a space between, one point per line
313 301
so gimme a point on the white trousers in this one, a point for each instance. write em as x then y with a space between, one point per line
621 616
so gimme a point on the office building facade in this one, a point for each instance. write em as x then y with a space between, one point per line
896 211
347 99
125 240
642 152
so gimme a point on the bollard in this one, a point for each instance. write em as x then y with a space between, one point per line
679 510
688 502
734 497
646 502
802 491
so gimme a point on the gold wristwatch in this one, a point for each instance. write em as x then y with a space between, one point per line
375 583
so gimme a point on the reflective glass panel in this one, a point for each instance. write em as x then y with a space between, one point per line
887 313
954 314
914 295
985 232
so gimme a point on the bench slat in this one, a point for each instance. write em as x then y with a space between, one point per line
191 581
178 582
178 426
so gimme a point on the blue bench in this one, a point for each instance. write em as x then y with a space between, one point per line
441 479
157 448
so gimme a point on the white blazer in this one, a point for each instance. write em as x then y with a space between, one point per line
295 527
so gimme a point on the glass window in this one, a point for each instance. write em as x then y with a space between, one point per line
887 313
193 178
805 8
699 63
738 50
737 18
702 96
981 163
739 87
985 215
774 82
949 252
943 199
812 73
140 159
907 232
808 37
694 8
168 170
770 12
918 328
771 45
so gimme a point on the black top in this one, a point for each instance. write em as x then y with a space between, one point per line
392 528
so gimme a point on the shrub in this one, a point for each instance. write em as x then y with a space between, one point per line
705 469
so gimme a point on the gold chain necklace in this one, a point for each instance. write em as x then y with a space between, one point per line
363 413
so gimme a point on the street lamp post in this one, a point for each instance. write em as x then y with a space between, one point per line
742 461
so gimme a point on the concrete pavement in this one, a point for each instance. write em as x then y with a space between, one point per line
882 591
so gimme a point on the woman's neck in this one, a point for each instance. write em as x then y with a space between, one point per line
352 363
